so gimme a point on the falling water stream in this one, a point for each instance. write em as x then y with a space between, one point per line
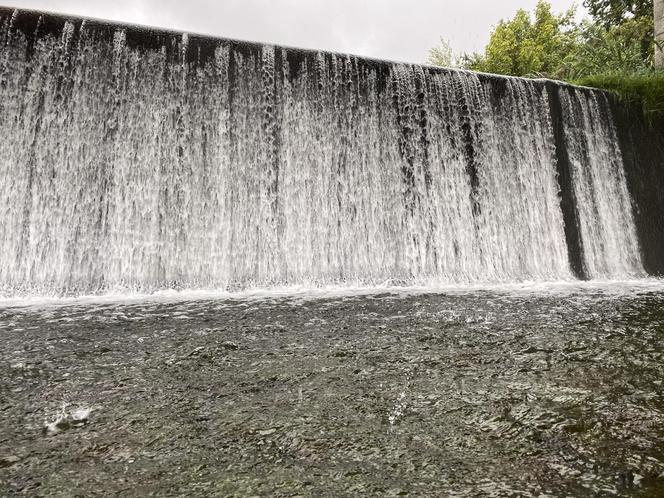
125 167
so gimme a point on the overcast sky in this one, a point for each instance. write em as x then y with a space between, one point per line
400 30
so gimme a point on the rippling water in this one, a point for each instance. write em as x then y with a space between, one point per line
494 392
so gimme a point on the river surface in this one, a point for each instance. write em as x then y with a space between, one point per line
497 392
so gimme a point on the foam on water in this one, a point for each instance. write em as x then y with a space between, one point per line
615 288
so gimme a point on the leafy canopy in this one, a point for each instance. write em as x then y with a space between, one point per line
523 46
442 55
626 49
619 38
615 14
611 13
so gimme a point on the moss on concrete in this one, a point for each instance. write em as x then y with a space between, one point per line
646 89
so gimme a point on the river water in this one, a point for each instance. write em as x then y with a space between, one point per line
513 391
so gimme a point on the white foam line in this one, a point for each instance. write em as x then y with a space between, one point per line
605 287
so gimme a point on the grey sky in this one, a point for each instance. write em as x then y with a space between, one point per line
399 30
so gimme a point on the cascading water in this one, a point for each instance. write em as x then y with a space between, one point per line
151 167
610 244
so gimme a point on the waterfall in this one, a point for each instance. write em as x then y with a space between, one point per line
200 163
610 244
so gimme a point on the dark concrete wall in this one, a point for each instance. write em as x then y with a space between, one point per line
642 144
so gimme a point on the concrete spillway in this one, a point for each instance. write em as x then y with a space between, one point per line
142 159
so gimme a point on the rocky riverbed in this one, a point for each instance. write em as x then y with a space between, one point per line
482 393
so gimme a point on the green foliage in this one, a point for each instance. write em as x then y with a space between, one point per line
612 14
526 47
442 55
615 12
619 39
618 49
646 89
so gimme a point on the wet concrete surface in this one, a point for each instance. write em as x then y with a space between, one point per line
461 394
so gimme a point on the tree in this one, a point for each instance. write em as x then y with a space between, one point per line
600 50
616 13
525 47
620 39
442 55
